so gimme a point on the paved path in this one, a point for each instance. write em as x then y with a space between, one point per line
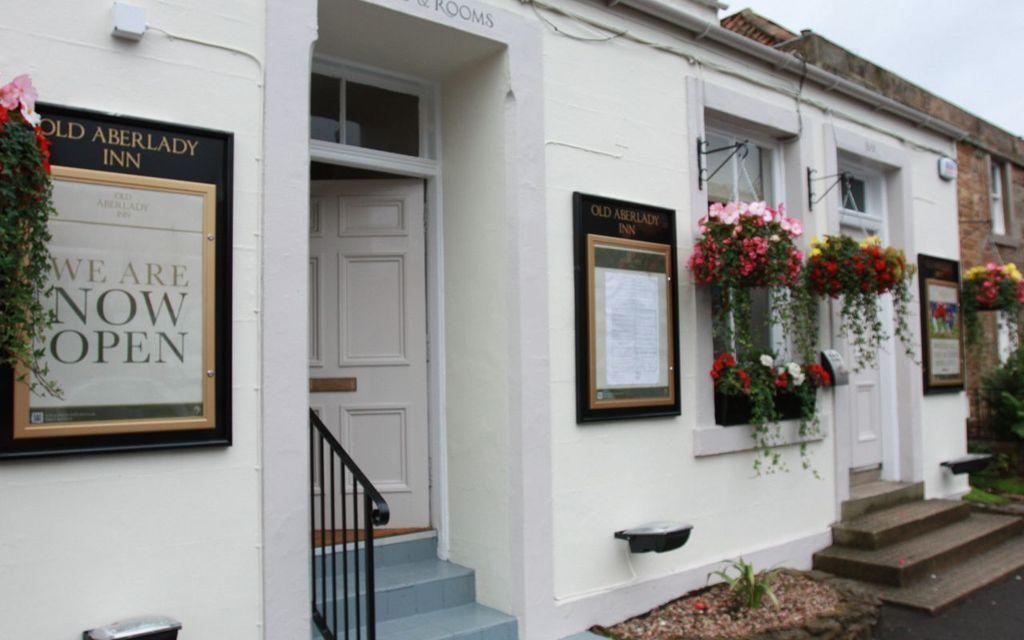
994 613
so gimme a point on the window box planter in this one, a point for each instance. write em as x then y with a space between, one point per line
732 410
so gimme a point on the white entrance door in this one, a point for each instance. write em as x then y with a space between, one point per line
867 401
368 328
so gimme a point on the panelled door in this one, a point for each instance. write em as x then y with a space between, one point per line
865 402
368 371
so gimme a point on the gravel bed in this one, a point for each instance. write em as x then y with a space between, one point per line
809 604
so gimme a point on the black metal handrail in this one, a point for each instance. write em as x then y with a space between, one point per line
339 612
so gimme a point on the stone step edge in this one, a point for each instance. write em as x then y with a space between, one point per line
891 594
904 575
847 534
856 507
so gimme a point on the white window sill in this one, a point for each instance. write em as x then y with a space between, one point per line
716 440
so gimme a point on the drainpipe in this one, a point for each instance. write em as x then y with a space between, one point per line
780 61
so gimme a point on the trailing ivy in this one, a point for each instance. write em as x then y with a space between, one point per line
746 246
25 209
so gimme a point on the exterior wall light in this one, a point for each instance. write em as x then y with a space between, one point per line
656 536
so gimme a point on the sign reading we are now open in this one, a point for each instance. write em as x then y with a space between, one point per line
140 291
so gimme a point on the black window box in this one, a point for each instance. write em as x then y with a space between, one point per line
734 410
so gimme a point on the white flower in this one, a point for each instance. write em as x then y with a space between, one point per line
798 379
767 361
774 237
794 369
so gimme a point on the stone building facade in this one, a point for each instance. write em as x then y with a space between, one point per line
990 181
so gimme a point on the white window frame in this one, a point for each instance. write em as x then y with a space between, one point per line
774 147
349 72
874 219
997 198
775 179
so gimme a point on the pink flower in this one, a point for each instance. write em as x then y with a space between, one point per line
20 92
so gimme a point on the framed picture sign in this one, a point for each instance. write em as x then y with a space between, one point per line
941 324
141 291
627 334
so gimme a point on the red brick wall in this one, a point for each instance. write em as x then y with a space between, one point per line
977 248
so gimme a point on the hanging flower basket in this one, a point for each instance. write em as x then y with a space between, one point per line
25 209
747 246
858 273
992 287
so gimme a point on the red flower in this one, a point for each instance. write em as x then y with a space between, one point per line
782 381
44 149
744 378
4 117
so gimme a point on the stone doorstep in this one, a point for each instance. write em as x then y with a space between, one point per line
901 563
875 496
952 585
882 528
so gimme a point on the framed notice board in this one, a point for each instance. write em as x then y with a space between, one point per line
627 331
141 291
941 324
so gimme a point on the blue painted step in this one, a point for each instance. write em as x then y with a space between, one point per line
419 597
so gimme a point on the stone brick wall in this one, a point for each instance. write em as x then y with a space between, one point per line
976 247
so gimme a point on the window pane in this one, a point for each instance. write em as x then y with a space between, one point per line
380 119
854 195
325 108
997 200
720 185
752 177
760 325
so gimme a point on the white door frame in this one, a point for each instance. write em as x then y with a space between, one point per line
875 196
429 170
905 455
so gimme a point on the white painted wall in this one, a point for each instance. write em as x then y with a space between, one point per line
616 124
476 291
87 540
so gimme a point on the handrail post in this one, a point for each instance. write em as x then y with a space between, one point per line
374 512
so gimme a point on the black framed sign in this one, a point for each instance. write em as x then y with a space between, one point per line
627 334
941 324
141 291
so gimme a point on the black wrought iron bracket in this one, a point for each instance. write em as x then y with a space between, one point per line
703 152
812 197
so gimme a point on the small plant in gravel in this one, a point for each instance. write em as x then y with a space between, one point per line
749 585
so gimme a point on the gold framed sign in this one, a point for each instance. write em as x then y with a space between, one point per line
941 324
140 292
627 342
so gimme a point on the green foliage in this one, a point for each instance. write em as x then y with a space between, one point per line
1002 390
984 497
750 586
25 208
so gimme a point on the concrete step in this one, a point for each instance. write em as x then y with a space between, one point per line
406 589
468 622
878 529
946 587
901 563
878 495
418 596
387 551
864 477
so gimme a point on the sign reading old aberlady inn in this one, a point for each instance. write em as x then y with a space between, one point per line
627 332
141 299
